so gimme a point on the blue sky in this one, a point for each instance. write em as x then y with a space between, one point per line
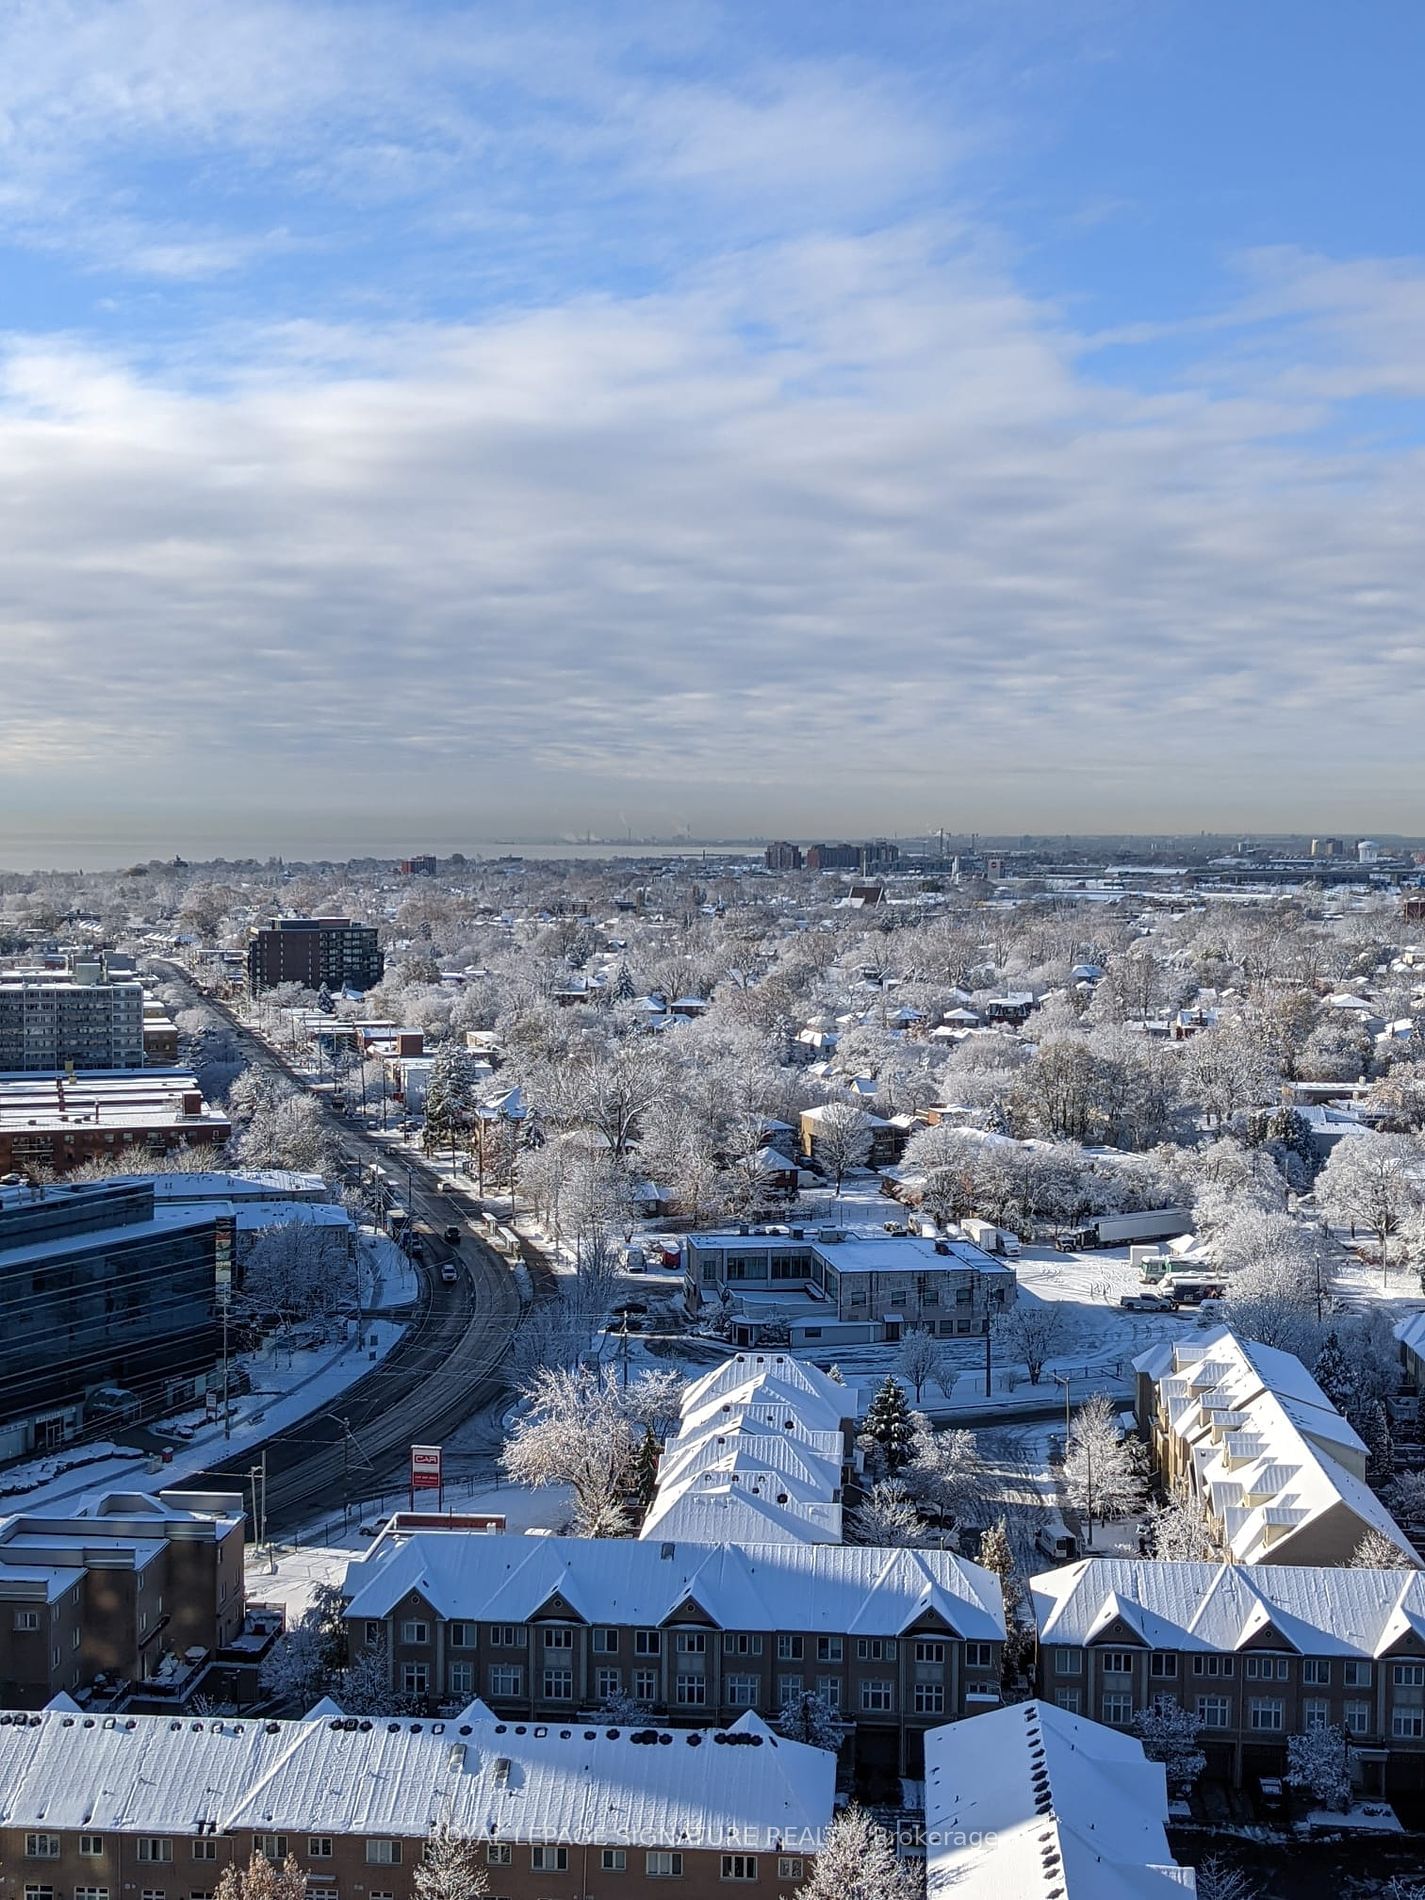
435 422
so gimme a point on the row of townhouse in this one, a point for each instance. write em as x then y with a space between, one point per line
1247 1431
1257 1652
149 1808
542 1628
763 1452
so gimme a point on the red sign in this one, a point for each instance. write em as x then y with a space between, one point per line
425 1467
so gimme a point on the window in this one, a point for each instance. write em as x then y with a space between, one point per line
549 1860
739 1866
414 1630
91 1893
935 1652
1266 1712
1117 1707
91 1846
1356 1718
1214 1711
1213 1665
381 1853
604 1642
1118 1662
614 1861
415 1678
39 1893
559 1639
1316 1671
1315 1713
1069 1662
741 1643
273 1846
461 1677
505 1679
930 1698
878 1698
319 1847
375 1633
789 1649
507 1636
462 1635
979 1655
876 1648
1408 1725
660 1865
1409 1675
648 1642
742 1692
692 1643
608 1682
690 1692
559 1685
44 1847
26 1620
789 1690
1356 1675
1067 1700
789 1868
829 1689
830 1649
1265 1669
1165 1668
499 1854
205 1850
155 1847
645 1685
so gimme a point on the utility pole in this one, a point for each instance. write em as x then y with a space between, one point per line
988 1390
227 1415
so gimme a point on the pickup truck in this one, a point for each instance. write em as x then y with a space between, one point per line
1146 1303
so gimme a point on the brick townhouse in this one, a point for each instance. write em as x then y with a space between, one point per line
542 1627
153 1808
1259 1652
115 1589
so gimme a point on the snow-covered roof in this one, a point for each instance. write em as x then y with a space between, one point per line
1318 1610
497 1780
833 1588
1268 1451
1029 1803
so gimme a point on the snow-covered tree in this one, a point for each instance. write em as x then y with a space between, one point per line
1182 1532
946 1472
449 1869
644 1481
887 1516
1406 1496
858 1861
1103 1469
576 1431
655 1398
364 1686
262 1880
1169 1734
1372 1181
996 1554
888 1427
1320 1762
843 1141
296 1669
921 1360
810 1718
622 1710
1032 1331
1218 1879
1377 1551
449 1097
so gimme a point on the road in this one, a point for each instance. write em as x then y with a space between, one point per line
446 1368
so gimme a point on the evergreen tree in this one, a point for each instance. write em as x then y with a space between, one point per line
623 991
1333 1375
836 1375
810 1718
324 1001
889 1426
1374 1428
996 1555
645 1469
450 1097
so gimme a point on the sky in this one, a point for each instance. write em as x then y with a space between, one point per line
427 424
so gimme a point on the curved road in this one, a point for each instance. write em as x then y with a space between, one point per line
446 1367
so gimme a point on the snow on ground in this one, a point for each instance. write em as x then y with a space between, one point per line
395 1281
287 1385
522 1508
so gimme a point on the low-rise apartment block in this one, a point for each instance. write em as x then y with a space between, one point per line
115 1590
50 1021
1258 1652
1245 1429
834 1287
51 1124
144 1806
546 1628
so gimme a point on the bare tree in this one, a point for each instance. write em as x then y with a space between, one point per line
843 1140
1032 1331
921 1359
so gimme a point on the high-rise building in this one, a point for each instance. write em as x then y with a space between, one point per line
422 866
314 951
833 857
783 857
50 1021
1327 848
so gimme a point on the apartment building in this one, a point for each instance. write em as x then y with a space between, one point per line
53 1123
50 1021
1036 1804
141 1806
544 1628
762 1454
836 1287
109 1306
314 951
115 1589
1259 1652
1246 1429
